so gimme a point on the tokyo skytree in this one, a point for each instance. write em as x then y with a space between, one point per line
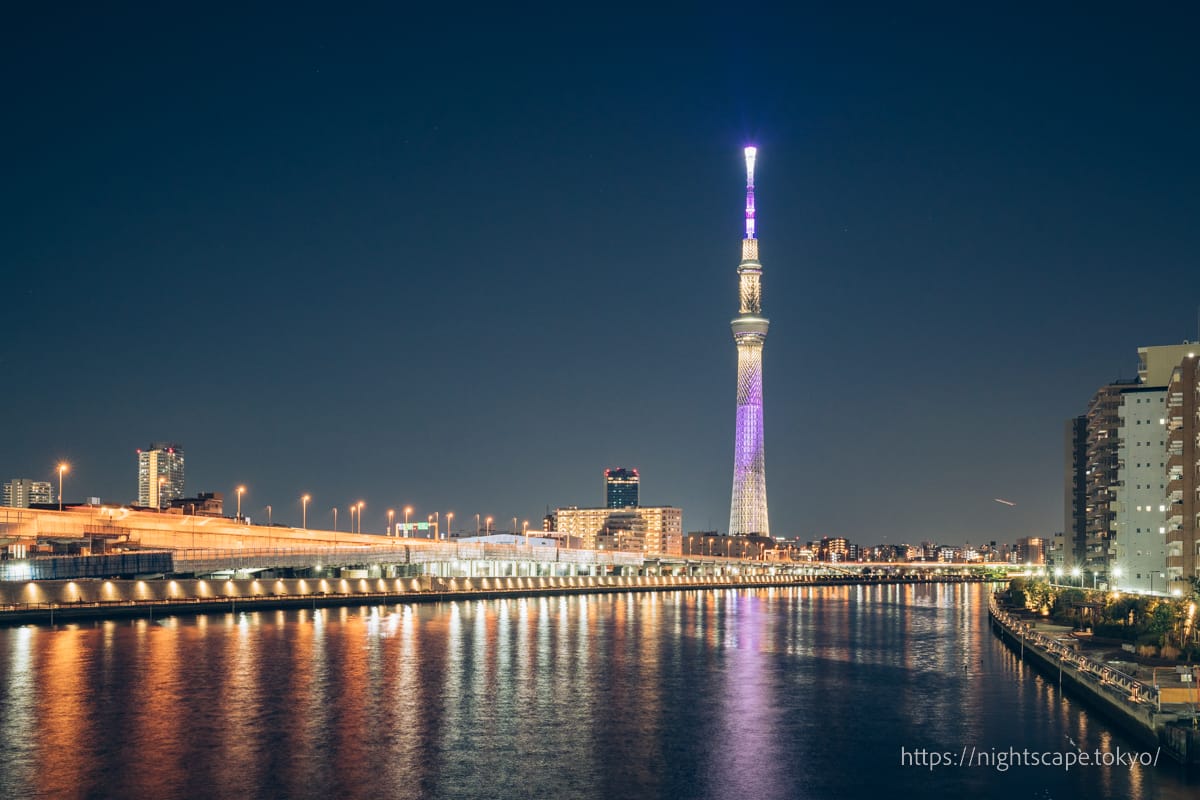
748 510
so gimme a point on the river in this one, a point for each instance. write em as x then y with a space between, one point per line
815 692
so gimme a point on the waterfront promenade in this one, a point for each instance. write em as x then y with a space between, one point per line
1143 709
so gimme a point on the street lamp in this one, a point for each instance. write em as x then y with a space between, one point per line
1117 575
437 524
62 469
476 524
161 480
487 526
1058 574
241 490
304 511
407 511
268 516
449 520
524 530
352 517
391 514
1075 573
335 518
360 508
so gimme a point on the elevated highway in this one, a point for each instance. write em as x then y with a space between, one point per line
203 546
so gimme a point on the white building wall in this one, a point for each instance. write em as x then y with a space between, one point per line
1139 535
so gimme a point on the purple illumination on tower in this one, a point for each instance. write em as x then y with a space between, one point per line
748 509
751 152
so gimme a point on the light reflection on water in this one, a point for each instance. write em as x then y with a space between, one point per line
777 692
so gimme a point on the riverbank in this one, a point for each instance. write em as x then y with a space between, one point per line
1136 706
64 601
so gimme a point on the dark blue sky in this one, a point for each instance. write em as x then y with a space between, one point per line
465 260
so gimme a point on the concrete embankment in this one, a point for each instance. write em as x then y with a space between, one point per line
62 601
1133 705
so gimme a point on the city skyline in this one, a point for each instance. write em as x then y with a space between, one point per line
383 275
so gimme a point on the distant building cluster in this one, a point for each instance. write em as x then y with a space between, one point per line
839 549
645 529
160 486
1131 490
25 493
623 523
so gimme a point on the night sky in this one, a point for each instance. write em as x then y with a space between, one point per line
466 259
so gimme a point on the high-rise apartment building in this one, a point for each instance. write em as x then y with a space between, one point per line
1031 550
1183 471
160 475
621 487
1103 423
1138 551
24 492
748 507
1125 514
1075 493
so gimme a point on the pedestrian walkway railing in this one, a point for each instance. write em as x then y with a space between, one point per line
1111 680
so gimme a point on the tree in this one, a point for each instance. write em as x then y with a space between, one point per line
1016 593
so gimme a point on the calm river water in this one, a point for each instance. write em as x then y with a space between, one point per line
750 694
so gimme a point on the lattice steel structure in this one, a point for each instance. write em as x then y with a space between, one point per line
748 510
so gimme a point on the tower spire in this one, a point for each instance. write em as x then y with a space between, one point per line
750 153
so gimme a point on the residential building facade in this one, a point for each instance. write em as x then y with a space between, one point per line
160 475
25 492
1138 544
648 529
1183 472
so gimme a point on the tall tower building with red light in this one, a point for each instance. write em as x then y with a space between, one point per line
160 475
